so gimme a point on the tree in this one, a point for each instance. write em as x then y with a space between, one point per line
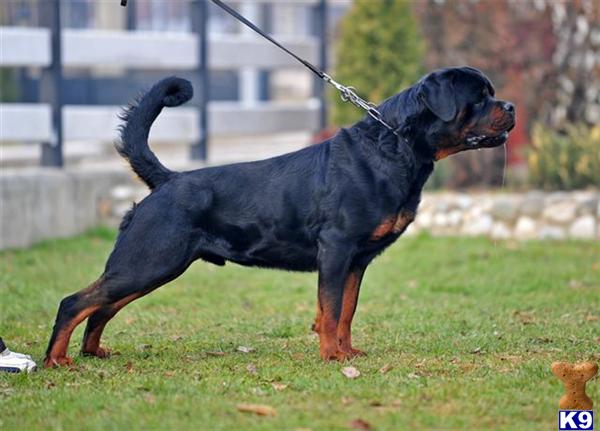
540 54
379 52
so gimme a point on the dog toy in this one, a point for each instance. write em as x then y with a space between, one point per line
574 378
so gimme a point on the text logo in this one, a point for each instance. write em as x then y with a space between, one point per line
575 420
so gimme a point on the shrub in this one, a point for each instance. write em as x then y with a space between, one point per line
379 52
565 160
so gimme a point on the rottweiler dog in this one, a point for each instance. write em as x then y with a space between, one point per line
330 208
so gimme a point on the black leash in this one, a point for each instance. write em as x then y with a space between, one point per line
347 93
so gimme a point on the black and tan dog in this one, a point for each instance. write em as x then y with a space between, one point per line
329 208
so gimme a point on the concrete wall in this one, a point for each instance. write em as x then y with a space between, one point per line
38 204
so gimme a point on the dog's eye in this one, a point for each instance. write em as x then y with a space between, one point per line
482 99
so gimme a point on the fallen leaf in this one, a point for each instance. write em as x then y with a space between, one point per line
245 349
575 284
251 368
129 366
129 320
592 318
347 401
279 386
360 424
525 317
257 409
215 353
386 368
169 373
350 372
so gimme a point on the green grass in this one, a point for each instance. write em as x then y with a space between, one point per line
470 327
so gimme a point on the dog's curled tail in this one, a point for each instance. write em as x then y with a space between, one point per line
138 118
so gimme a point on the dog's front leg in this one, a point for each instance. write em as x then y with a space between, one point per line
349 302
334 269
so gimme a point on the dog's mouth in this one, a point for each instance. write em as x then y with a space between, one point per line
487 141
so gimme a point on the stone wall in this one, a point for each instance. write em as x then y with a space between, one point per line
529 215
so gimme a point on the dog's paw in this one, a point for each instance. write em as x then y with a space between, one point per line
63 361
352 352
100 352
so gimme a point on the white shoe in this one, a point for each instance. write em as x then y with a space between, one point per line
12 362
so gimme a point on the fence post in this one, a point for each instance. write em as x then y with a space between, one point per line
199 14
320 85
131 16
51 86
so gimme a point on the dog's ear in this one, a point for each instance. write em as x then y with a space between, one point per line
436 91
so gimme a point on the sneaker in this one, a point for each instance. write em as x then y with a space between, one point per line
12 362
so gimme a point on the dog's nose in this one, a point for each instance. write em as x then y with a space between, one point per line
509 107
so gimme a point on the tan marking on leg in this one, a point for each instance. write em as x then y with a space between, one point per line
91 344
317 325
344 328
328 344
58 354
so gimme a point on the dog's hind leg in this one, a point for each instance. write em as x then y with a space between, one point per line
152 250
96 323
72 311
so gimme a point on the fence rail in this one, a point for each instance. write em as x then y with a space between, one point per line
32 122
50 123
22 46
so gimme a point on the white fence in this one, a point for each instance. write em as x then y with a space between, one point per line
31 47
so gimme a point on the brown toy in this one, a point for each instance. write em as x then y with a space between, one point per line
574 377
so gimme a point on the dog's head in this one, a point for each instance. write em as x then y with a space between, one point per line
455 110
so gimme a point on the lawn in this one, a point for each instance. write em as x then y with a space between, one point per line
468 329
